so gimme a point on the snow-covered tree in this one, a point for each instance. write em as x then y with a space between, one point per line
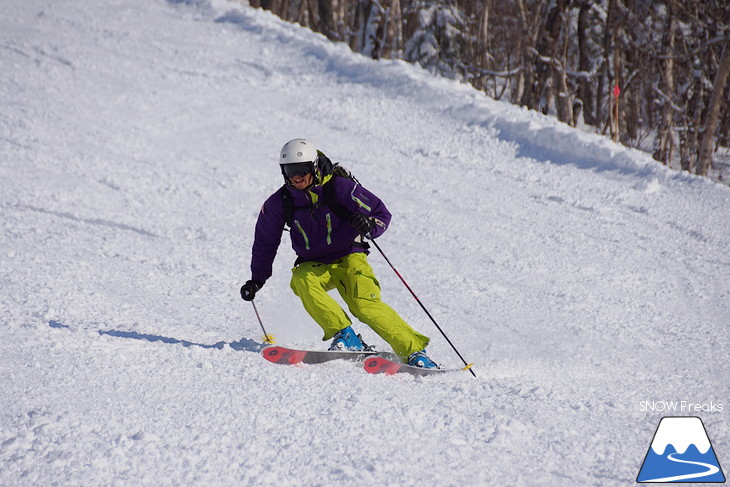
435 36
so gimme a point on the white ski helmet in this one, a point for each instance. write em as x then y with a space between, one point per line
297 151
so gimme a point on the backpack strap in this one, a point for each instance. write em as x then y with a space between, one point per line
330 199
288 206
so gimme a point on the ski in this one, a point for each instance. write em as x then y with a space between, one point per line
379 365
289 356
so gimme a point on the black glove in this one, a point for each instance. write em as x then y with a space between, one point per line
362 223
248 290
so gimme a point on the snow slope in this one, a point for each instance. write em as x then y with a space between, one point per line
137 142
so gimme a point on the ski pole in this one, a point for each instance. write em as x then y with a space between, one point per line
467 365
267 338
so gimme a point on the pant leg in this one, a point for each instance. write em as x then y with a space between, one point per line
311 281
356 283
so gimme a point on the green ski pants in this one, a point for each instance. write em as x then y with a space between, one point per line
354 279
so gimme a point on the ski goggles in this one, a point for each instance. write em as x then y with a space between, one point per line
297 169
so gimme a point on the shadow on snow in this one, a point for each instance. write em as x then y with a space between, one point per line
244 344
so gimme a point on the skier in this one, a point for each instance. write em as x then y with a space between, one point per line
331 252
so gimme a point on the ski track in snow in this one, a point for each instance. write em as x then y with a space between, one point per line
137 142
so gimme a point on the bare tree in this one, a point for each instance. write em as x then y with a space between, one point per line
713 115
664 144
561 57
586 91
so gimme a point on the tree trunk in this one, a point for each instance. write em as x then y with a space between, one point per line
663 146
327 23
481 56
528 65
689 138
543 87
563 102
604 95
632 88
585 85
713 114
394 31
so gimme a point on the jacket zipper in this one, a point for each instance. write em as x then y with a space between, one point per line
304 234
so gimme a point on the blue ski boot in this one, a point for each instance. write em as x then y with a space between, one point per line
346 339
420 359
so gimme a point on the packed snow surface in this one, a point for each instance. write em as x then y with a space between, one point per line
138 139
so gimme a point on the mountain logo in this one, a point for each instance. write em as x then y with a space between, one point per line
680 452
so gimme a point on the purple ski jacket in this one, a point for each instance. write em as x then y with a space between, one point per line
317 234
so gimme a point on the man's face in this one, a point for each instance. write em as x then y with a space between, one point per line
301 182
299 174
